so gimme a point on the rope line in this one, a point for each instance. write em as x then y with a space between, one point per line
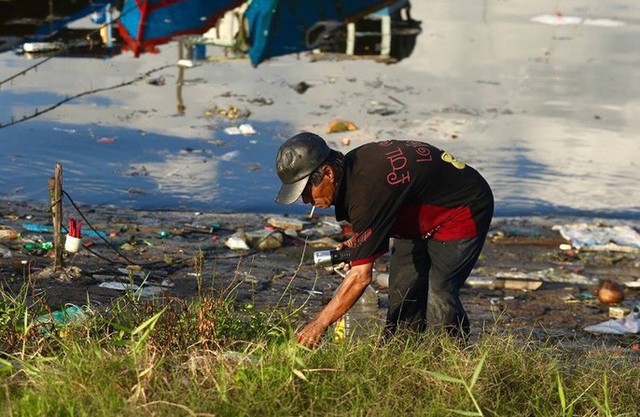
115 249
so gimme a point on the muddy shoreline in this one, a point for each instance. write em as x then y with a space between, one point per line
181 253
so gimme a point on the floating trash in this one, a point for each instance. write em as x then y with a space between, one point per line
243 129
265 239
549 275
230 156
237 241
142 291
337 126
559 19
187 63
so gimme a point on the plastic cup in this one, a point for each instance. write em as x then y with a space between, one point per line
72 244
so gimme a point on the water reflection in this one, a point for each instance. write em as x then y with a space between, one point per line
367 28
129 169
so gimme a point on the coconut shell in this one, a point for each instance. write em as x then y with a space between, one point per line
610 293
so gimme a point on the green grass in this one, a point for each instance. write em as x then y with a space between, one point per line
208 356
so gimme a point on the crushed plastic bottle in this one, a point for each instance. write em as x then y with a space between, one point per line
361 320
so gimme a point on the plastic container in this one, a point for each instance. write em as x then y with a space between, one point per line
72 244
361 320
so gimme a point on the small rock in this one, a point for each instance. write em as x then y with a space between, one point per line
286 223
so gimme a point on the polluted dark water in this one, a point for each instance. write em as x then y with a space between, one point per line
541 98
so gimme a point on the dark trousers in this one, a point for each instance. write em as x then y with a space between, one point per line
425 277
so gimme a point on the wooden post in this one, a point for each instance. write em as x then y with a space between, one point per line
55 193
180 81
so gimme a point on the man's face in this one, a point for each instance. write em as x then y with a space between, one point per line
320 195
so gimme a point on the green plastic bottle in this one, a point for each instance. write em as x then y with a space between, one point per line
45 246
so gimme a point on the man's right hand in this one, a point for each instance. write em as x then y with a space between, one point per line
351 243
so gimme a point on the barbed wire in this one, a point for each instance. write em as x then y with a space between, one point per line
84 93
39 112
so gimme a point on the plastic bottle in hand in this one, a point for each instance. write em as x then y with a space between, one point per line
362 319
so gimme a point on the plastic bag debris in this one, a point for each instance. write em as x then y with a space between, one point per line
633 284
141 291
595 237
550 275
229 156
630 324
237 241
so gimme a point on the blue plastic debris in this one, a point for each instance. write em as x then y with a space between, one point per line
62 317
42 228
